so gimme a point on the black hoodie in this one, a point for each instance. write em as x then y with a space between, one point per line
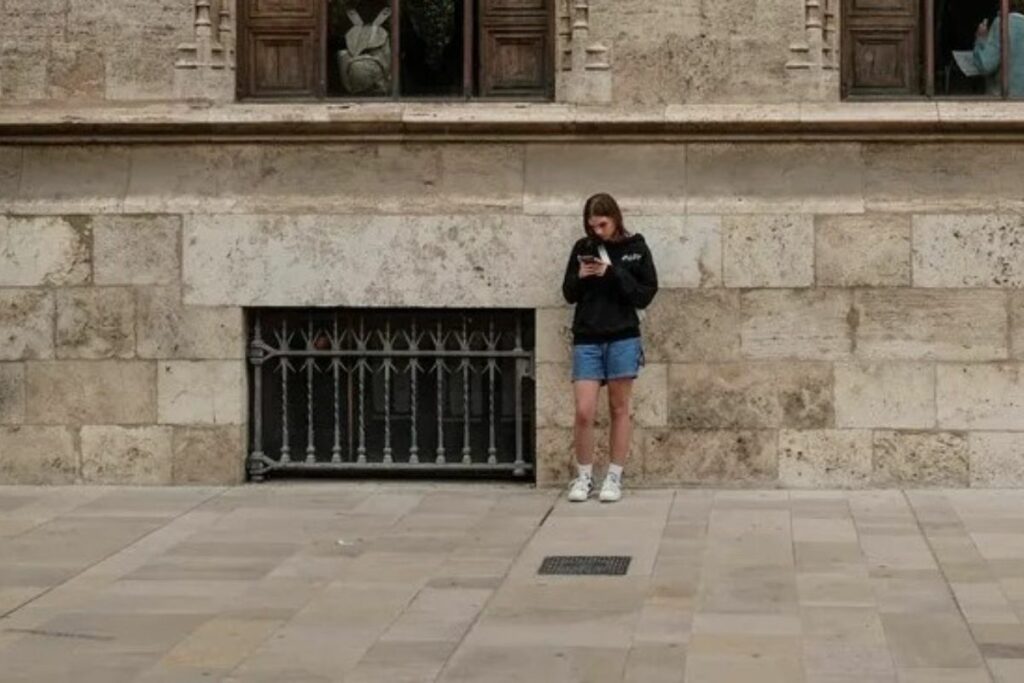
606 306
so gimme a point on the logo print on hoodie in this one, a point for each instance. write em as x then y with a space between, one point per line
632 257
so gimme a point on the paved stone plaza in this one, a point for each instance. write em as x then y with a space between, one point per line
402 582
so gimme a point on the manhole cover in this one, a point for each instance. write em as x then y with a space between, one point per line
585 565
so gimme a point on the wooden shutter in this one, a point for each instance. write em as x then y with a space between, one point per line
881 47
515 48
280 46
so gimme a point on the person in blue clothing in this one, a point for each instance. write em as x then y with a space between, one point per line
610 276
987 49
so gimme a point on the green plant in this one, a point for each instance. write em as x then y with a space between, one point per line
434 22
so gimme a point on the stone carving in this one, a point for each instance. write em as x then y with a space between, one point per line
585 76
365 64
814 58
205 67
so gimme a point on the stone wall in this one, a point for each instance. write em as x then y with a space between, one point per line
831 314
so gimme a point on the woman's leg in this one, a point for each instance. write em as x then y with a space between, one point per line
620 393
586 392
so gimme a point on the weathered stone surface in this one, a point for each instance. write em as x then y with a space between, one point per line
208 455
168 329
931 324
799 324
462 261
967 250
556 405
44 251
862 251
750 395
746 458
894 395
26 324
135 250
643 178
91 392
75 72
693 325
768 251
22 70
556 457
553 335
67 180
687 250
1016 309
909 459
12 393
995 459
982 396
95 322
825 458
783 178
126 455
201 392
10 170
31 454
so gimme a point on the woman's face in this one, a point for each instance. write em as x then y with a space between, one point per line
603 227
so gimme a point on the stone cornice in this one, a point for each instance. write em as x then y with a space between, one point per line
407 122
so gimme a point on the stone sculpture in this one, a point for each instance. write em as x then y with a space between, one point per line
365 63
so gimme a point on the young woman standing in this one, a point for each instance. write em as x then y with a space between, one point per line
610 275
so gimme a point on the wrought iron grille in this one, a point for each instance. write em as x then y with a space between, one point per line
420 390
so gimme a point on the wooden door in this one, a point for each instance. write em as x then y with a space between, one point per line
515 48
280 48
881 47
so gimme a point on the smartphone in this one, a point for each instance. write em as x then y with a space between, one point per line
587 258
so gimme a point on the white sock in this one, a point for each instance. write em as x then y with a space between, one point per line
615 470
585 470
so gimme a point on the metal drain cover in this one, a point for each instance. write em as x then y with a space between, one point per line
585 565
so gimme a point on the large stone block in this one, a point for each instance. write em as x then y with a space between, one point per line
825 458
12 393
69 180
556 457
782 178
693 325
136 250
460 261
201 392
553 335
911 459
44 251
91 392
556 405
95 322
36 455
194 179
166 328
10 170
967 250
1016 308
649 178
797 324
862 251
768 251
26 324
982 396
687 250
22 70
711 457
750 395
209 455
126 455
893 395
920 324
995 459
75 71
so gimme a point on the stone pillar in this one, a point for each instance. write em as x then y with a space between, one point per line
585 76
205 68
813 64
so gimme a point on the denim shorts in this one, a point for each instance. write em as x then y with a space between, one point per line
612 360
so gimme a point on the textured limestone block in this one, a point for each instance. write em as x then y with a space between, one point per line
201 392
988 396
10 171
1016 306
166 328
31 454
893 395
768 251
461 261
126 455
209 455
553 335
556 405
997 459
556 457
783 178
862 251
26 324
135 250
750 395
711 457
75 72
649 178
95 322
44 251
12 393
687 250
837 458
693 325
68 180
22 69
189 178
797 324
967 250
91 392
931 324
909 459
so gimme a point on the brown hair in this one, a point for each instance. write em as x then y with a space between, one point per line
1017 6
603 204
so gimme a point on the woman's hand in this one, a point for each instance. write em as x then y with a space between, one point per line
593 269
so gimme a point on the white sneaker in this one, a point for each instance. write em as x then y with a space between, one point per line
611 489
580 488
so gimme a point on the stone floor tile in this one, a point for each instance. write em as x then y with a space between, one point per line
930 640
655 663
530 664
978 675
707 669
